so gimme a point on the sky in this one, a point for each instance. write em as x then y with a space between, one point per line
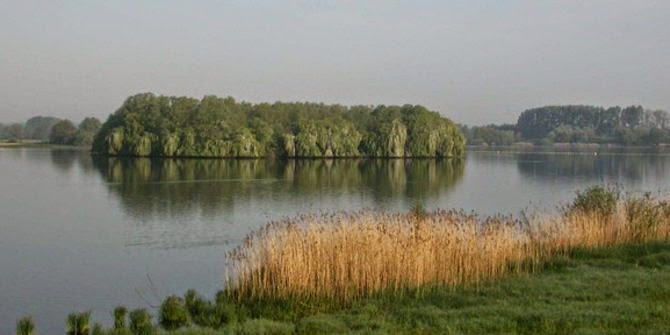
476 62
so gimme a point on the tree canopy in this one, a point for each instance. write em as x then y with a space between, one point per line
63 132
579 123
490 135
150 125
13 132
39 127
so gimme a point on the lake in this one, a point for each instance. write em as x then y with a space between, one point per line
89 233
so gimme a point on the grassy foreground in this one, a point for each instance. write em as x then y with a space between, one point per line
615 290
623 290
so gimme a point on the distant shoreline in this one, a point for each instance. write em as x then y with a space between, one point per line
22 143
38 144
517 147
570 147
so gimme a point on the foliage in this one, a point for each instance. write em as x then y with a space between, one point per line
646 216
97 329
25 326
596 199
120 317
86 131
42 128
173 313
632 125
78 323
63 132
39 127
140 322
490 134
12 132
223 313
198 308
150 125
568 134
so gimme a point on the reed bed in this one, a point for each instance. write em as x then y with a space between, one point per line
344 256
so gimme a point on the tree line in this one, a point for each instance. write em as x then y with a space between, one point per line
168 126
631 125
52 130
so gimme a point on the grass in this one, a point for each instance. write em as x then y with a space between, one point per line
613 290
348 256
25 326
621 289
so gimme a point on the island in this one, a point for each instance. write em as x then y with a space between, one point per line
147 125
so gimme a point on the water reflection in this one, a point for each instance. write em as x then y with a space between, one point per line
635 167
64 160
177 187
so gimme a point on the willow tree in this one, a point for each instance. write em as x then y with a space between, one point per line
150 125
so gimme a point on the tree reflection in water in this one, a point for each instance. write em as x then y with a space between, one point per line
175 187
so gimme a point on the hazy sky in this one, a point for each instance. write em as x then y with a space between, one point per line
474 61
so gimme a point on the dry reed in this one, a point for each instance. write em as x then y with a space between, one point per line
345 256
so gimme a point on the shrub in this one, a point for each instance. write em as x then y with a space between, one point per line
97 329
78 324
596 199
646 216
120 317
140 322
265 327
25 326
222 314
198 308
173 313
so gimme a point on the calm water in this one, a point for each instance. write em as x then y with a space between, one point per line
82 233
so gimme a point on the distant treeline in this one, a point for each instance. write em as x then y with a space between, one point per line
52 130
632 125
164 126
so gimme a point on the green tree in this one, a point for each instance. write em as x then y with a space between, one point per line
39 127
86 131
63 132
14 132
173 313
150 125
630 125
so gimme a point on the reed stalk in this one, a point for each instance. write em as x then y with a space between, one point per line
345 256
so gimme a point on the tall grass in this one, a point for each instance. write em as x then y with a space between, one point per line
25 326
345 256
78 323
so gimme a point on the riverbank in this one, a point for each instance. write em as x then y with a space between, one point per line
571 147
40 144
614 290
22 143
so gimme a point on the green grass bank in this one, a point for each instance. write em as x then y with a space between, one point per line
615 290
